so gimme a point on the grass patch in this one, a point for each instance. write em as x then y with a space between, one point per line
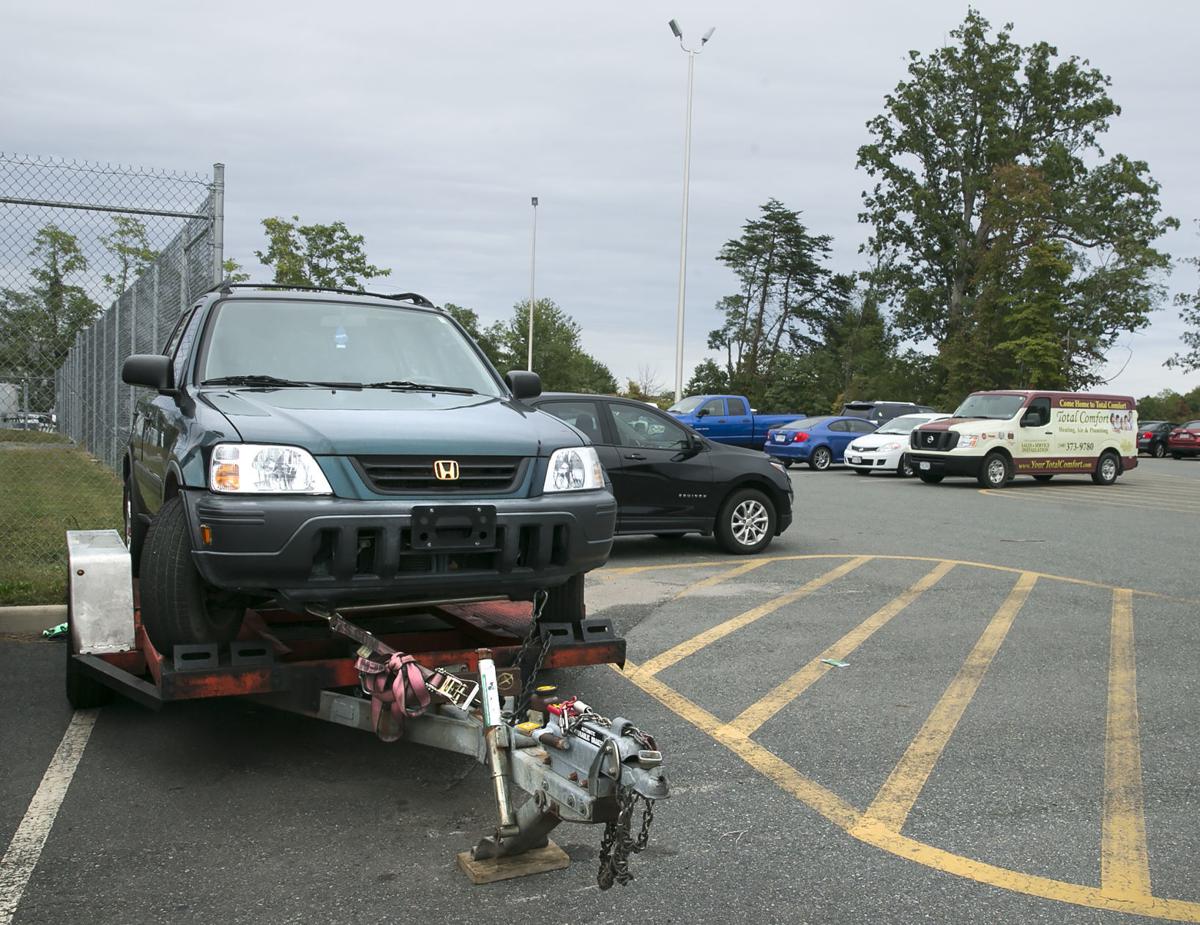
9 435
45 491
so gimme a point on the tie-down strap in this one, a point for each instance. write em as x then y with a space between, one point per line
397 682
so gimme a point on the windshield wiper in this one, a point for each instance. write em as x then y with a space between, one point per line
407 385
263 380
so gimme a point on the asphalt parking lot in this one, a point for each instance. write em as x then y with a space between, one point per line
1013 739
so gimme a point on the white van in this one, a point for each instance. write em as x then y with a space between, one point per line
995 436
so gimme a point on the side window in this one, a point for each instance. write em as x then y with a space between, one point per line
636 427
176 333
1037 414
184 346
738 406
860 427
582 414
714 407
840 427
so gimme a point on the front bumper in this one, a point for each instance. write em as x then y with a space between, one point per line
873 459
946 464
306 550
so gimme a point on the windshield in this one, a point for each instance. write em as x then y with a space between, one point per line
341 342
905 424
687 405
993 407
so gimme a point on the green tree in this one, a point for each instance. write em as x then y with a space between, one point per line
1169 405
469 319
786 294
233 271
38 326
128 243
707 379
953 223
316 255
558 356
1189 312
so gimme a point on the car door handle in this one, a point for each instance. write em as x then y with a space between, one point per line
634 456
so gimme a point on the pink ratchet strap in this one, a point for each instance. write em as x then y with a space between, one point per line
398 682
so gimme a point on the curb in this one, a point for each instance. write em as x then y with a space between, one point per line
31 619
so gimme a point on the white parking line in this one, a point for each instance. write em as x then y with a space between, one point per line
26 846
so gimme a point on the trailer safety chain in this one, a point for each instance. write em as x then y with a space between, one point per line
397 682
530 642
618 844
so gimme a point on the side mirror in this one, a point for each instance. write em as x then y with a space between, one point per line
702 413
523 384
151 370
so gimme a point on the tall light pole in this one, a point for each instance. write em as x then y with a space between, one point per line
532 267
687 168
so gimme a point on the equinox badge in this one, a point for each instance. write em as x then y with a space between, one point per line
445 469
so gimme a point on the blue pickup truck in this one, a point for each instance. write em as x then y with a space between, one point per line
729 419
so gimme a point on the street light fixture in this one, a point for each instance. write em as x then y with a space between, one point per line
687 167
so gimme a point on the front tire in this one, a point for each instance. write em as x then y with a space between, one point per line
1107 469
861 471
178 608
746 523
996 471
821 458
905 469
931 478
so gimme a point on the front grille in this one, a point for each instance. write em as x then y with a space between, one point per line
415 474
941 440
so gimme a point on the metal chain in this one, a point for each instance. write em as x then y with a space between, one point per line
539 603
617 844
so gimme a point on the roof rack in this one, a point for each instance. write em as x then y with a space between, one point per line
415 298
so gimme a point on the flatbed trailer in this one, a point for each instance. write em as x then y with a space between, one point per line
594 771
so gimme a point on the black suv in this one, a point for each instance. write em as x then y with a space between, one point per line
880 412
316 448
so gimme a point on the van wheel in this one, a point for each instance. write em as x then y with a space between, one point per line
83 692
931 478
746 523
564 604
1107 469
996 471
178 608
821 458
1042 478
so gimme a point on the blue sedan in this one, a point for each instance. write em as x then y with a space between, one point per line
820 442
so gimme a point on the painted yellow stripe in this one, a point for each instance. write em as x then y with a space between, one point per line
616 571
895 799
721 630
754 716
846 817
1065 497
1124 861
724 576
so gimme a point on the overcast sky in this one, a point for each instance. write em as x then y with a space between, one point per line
427 127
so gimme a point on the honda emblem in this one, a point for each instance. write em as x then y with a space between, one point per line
446 470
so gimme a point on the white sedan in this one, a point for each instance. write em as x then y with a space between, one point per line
885 450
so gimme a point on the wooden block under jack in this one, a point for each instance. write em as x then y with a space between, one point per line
537 861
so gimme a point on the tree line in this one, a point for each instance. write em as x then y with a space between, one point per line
1006 249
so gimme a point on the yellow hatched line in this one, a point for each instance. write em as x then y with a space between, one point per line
1124 860
721 630
845 816
1044 496
896 797
724 576
753 717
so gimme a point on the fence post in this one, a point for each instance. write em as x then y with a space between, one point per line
218 224
154 313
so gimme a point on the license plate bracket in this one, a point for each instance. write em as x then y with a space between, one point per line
924 467
453 526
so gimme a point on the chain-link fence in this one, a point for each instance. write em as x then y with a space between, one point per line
96 263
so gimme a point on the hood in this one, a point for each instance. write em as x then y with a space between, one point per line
948 423
348 422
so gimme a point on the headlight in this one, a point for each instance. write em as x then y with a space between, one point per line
888 447
966 441
258 469
574 468
782 469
